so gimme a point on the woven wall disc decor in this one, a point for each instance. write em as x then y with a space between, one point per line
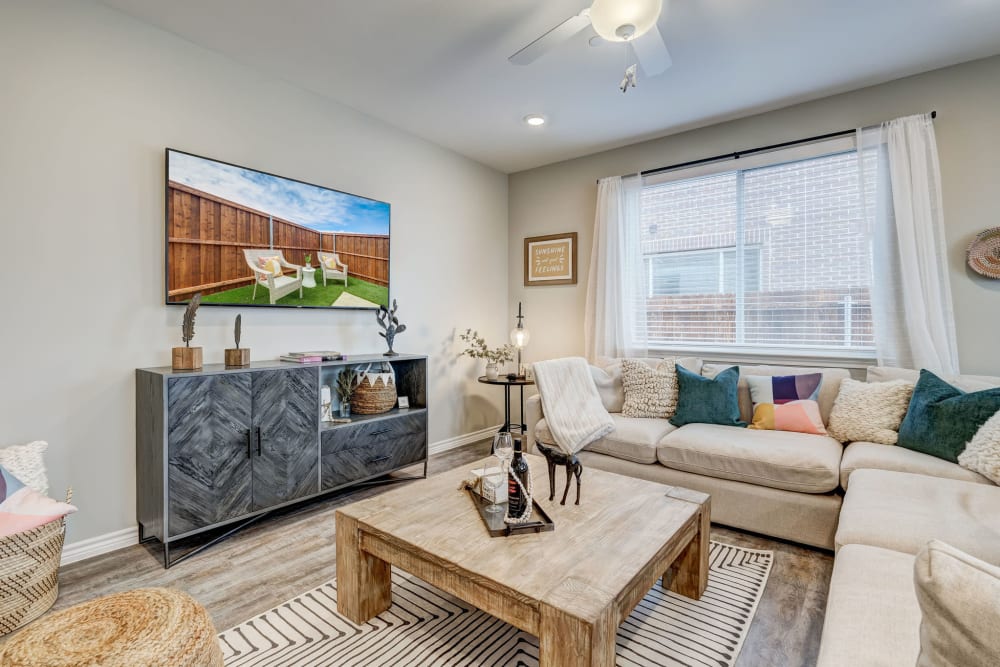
984 253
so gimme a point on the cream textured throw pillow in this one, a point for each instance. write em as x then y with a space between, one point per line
870 412
982 454
958 594
649 392
27 464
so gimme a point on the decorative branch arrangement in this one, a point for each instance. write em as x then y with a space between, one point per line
477 349
187 326
347 381
390 325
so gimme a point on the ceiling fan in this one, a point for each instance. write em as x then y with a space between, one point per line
632 22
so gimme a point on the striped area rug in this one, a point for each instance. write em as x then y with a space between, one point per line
426 626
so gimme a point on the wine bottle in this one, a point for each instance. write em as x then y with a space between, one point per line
517 500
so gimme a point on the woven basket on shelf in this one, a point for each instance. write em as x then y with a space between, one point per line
29 573
372 397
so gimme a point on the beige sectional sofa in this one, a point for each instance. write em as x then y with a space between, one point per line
875 505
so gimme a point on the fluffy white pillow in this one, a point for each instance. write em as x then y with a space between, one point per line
869 412
649 392
26 462
982 454
960 623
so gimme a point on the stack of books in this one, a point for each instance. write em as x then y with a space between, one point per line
312 357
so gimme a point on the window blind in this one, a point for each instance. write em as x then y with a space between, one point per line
772 256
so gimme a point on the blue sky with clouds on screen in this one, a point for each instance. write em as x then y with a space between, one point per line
309 205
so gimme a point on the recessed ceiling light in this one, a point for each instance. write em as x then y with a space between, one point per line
535 119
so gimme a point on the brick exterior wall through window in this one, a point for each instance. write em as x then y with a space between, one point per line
802 234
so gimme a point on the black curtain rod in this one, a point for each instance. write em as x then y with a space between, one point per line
751 151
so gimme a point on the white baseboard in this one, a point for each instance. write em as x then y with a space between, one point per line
102 544
461 440
126 537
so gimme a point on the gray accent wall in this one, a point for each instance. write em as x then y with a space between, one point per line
91 98
562 197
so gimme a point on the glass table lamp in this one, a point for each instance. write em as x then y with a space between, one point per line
519 337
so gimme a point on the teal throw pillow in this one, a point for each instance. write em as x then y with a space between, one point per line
941 418
702 400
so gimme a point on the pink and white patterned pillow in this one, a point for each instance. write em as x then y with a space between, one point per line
270 264
22 508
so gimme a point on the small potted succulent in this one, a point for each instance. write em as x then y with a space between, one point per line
308 260
477 349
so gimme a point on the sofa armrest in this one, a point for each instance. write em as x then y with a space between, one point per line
532 414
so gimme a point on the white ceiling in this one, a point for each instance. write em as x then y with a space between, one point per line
438 68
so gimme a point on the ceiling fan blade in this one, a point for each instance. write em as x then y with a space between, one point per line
551 39
652 52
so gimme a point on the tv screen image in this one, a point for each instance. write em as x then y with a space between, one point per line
245 237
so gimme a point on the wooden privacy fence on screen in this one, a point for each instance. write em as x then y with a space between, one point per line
206 236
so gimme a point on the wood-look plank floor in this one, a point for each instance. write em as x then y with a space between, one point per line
285 555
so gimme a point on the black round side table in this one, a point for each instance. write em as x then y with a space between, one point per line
507 384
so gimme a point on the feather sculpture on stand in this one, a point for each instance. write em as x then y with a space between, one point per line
187 326
188 358
237 357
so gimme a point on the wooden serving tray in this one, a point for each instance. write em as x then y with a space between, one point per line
496 527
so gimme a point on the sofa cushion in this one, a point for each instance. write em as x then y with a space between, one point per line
872 615
963 382
860 455
777 459
608 381
827 392
942 418
982 454
702 400
870 411
634 438
958 595
649 392
903 511
607 376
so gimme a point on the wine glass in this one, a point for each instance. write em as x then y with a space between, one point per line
492 479
503 448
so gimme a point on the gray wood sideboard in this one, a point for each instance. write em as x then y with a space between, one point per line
219 448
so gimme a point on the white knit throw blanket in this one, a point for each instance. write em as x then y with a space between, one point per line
573 409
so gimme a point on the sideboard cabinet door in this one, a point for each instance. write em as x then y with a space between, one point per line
208 467
286 423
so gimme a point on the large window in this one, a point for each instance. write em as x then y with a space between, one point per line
773 257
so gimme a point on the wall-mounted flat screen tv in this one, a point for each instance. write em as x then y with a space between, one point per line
243 237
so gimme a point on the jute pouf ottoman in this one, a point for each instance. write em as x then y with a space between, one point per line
153 627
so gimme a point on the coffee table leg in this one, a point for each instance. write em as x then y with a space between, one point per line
688 575
363 581
567 641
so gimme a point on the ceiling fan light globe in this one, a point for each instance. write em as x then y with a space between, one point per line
608 16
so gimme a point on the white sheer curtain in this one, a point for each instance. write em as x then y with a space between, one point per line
613 326
911 294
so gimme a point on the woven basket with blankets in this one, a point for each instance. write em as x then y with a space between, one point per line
32 529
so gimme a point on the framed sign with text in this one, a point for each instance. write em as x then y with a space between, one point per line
550 260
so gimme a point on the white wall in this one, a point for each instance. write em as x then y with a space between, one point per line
561 197
90 98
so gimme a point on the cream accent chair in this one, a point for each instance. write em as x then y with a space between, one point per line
277 286
326 258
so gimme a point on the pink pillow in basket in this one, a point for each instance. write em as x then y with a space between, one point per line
22 508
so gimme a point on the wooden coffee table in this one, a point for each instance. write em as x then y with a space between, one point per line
571 587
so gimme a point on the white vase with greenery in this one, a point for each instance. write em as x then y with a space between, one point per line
477 349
